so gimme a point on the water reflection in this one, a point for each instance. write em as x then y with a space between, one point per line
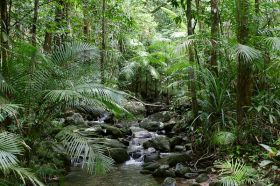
125 175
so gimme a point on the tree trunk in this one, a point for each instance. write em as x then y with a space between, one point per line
4 37
103 43
214 35
191 59
257 6
87 26
34 23
48 42
59 15
244 77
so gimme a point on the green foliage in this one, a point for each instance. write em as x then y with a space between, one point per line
11 146
79 146
235 172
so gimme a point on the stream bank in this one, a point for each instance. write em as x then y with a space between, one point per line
149 152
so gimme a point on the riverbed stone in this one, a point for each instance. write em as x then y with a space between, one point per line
152 166
161 143
135 107
148 144
163 116
202 178
179 148
181 170
194 184
216 184
150 125
178 158
190 175
111 130
145 172
151 157
118 154
169 182
176 140
76 119
164 173
142 134
113 143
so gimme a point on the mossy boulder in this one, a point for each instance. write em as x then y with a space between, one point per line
120 155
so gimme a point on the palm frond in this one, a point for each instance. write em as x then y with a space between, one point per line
7 109
235 172
273 42
246 52
79 146
26 174
74 51
224 138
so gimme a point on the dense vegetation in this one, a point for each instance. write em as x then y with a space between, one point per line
215 63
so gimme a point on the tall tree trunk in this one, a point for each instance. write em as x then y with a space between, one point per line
244 77
257 6
59 16
34 23
48 42
199 12
214 35
87 25
191 59
4 37
103 42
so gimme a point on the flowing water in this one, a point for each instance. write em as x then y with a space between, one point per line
127 174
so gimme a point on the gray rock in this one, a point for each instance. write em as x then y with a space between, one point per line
150 125
258 184
142 134
169 182
179 148
160 143
111 130
176 140
190 175
181 170
112 143
151 157
135 107
195 184
202 178
148 144
145 172
164 167
178 158
167 127
76 119
163 116
216 184
135 154
151 166
164 173
119 155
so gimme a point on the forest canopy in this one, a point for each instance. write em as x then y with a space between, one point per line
80 79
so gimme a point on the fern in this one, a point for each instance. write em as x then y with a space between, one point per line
235 172
77 146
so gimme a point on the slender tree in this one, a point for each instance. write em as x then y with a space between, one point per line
244 77
214 34
103 42
189 15
4 36
34 23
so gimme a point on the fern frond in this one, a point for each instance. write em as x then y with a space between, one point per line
79 146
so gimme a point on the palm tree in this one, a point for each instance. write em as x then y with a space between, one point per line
10 147
45 85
